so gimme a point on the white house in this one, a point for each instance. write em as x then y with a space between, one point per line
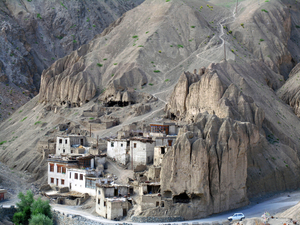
77 174
141 151
67 144
119 150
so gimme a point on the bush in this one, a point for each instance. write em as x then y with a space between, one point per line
40 219
193 26
135 36
156 71
261 39
99 64
263 10
180 46
38 210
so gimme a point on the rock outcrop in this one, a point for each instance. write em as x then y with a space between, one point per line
191 97
208 163
290 91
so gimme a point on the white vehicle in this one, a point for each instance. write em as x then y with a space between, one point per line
236 216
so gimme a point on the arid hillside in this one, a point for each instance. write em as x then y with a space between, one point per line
34 34
226 74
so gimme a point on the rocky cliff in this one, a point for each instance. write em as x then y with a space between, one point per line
34 34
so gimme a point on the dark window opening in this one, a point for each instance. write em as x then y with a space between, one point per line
153 189
128 143
60 141
104 204
66 141
81 141
121 145
157 204
81 176
112 144
134 145
98 201
170 142
124 212
182 198
162 150
76 176
162 204
172 116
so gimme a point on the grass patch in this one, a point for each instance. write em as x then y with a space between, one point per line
261 39
92 118
150 84
147 32
193 26
180 46
38 122
24 119
263 10
135 36
39 16
168 0
141 46
171 46
99 64
63 5
105 59
166 80
74 41
115 64
112 74
156 71
2 142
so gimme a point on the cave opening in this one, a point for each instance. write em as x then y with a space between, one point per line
118 104
172 116
181 198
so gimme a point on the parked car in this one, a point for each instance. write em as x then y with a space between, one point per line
236 216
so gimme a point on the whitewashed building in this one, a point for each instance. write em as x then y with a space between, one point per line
68 144
77 173
119 150
142 151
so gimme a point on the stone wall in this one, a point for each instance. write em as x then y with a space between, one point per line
7 212
163 219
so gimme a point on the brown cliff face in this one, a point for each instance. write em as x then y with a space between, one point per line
212 157
34 34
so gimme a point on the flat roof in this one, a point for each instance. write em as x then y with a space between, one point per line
3 191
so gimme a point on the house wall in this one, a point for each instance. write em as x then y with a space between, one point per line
100 199
57 175
118 151
67 142
115 209
150 201
173 130
77 184
164 141
143 153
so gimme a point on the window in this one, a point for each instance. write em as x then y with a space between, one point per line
99 192
81 176
66 141
98 201
104 203
59 169
70 175
51 168
62 181
64 151
112 144
134 145
63 169
60 141
122 145
52 180
76 176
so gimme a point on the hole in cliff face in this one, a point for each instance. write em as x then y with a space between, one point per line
118 104
181 198
168 194
196 197
172 116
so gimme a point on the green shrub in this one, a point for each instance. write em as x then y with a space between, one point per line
135 36
297 26
38 122
159 51
112 74
166 80
39 16
180 46
141 46
232 50
40 219
150 84
24 119
171 46
99 64
74 41
261 39
105 59
230 32
147 32
193 26
2 142
263 10
242 25
115 64
156 71
92 118
167 0
63 5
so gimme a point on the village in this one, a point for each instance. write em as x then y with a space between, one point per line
77 169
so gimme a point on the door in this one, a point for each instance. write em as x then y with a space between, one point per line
81 142
170 142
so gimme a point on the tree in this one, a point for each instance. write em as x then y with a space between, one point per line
40 219
38 210
41 207
24 208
